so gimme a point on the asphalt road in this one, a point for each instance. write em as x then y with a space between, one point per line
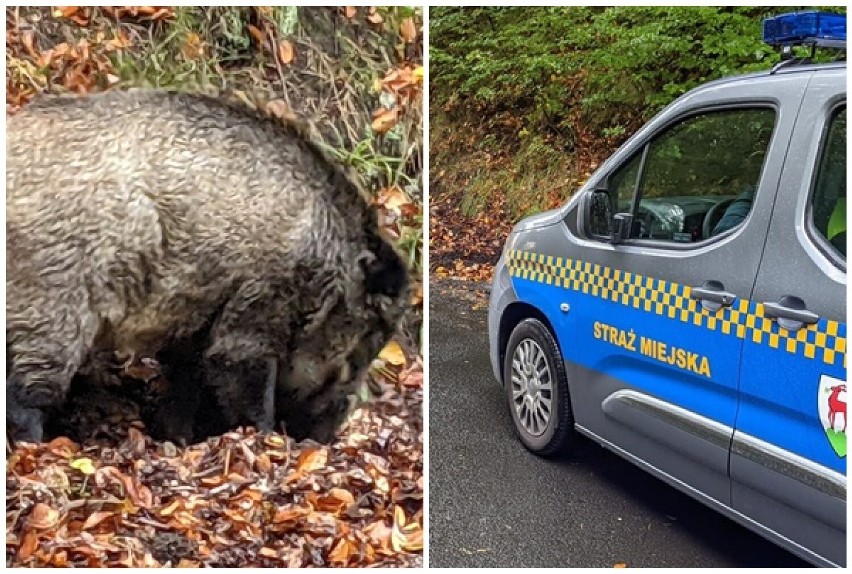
494 504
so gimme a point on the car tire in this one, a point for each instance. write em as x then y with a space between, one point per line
533 374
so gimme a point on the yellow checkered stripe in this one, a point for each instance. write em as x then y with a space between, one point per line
825 340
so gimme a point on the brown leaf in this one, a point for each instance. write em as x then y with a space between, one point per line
28 545
43 517
413 380
27 39
311 460
380 533
63 446
343 552
373 17
350 11
290 516
385 119
620 565
119 42
336 500
393 198
417 295
407 30
285 52
263 463
192 49
96 518
258 35
65 11
59 559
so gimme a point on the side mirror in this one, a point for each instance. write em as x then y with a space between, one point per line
600 213
602 223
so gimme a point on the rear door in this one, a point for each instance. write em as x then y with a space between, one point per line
788 460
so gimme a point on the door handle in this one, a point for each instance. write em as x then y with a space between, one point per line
712 295
790 312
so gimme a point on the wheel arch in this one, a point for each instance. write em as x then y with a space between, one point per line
511 317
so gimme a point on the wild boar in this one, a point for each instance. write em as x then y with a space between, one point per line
225 241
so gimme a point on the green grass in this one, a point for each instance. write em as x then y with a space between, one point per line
838 441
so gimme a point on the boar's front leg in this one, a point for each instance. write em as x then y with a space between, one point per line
247 340
176 409
44 351
27 423
245 389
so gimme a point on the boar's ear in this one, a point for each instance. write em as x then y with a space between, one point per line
385 273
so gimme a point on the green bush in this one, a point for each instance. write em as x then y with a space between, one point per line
606 69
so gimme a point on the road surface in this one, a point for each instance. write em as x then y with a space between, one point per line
494 504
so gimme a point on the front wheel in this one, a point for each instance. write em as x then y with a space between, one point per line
537 390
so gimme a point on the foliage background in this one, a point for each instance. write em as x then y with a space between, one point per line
526 102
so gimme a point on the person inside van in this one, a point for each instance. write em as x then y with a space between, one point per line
736 211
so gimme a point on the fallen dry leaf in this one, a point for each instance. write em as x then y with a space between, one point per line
393 198
192 48
285 52
312 460
96 518
407 30
392 353
280 109
373 17
65 11
385 119
258 35
43 517
28 545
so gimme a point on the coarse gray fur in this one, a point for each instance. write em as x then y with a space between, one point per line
149 221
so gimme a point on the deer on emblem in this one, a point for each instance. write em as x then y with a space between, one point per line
836 405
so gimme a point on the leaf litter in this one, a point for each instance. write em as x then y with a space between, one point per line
238 499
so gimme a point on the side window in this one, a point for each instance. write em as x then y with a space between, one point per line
698 177
828 202
623 184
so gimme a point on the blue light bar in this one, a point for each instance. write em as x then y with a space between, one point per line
812 27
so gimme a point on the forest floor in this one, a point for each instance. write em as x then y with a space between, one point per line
480 188
103 492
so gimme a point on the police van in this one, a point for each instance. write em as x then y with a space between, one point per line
687 307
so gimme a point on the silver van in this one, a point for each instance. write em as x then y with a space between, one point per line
687 307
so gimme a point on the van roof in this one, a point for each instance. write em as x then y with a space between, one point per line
792 69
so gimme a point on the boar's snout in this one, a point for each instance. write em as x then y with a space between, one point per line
317 416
